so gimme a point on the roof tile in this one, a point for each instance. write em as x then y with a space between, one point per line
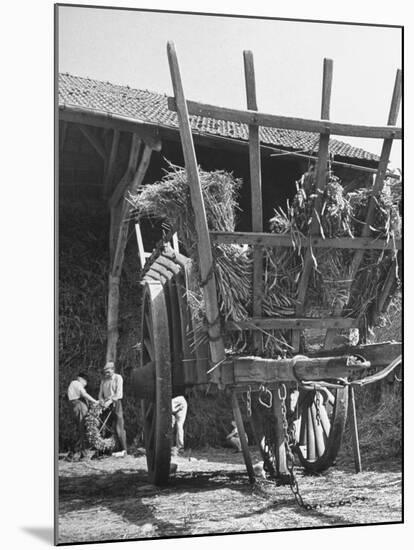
151 107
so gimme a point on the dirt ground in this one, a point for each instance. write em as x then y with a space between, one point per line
110 498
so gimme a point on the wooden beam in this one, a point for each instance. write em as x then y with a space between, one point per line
147 132
321 179
257 370
379 355
256 193
120 219
110 169
203 239
242 436
283 323
94 141
274 240
125 181
289 123
372 204
357 167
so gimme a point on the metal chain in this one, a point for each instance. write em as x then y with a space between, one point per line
249 402
317 406
289 438
290 460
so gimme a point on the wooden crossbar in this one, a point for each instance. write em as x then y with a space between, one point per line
284 323
273 240
203 239
289 123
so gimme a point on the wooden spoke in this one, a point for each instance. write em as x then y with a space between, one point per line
318 431
310 437
149 348
325 422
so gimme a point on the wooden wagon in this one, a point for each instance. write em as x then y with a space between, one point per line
170 364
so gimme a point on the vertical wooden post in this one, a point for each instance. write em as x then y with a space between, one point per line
119 236
372 205
63 135
321 178
256 193
279 443
354 430
203 237
243 438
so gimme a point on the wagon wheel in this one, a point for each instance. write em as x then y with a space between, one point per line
156 410
320 423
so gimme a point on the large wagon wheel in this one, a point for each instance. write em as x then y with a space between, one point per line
155 350
319 425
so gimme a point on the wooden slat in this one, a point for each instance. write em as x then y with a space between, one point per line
256 191
288 123
321 179
242 436
203 239
140 242
273 240
379 355
147 132
288 324
357 167
376 190
94 141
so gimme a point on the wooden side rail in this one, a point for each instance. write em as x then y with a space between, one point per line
285 323
289 123
273 240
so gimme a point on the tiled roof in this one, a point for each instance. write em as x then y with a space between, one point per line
151 107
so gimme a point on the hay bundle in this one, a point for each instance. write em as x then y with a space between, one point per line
169 201
341 215
332 283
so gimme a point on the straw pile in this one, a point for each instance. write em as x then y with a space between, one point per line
329 285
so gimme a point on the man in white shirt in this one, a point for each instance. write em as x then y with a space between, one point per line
110 396
179 414
78 399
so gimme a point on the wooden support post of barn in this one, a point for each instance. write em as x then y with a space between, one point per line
120 210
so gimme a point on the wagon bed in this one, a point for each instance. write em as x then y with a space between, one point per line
170 362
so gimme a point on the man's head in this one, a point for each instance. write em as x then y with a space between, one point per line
83 378
109 369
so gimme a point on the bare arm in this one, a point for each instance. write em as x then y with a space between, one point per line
100 396
88 397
